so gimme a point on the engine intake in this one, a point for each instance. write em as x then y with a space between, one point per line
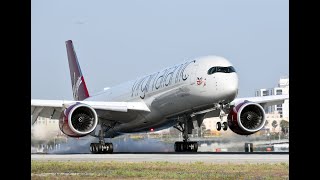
78 120
246 118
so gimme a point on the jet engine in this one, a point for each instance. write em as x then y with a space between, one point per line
246 118
78 120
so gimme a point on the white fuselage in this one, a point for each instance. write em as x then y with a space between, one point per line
184 88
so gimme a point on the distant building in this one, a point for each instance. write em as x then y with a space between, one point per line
282 88
211 123
47 122
45 128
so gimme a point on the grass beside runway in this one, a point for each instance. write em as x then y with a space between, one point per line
156 170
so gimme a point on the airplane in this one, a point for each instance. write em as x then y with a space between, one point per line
172 97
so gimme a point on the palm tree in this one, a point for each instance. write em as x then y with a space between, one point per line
284 126
274 124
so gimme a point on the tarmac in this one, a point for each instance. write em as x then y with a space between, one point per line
169 157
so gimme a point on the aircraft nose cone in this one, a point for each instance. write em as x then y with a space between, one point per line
230 87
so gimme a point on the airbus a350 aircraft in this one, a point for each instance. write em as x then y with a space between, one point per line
175 96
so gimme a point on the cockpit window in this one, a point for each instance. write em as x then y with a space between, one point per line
216 69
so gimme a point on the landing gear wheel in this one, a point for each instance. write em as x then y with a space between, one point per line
195 147
185 146
93 148
177 146
218 126
101 148
225 126
110 147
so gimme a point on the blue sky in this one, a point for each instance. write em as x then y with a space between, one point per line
117 41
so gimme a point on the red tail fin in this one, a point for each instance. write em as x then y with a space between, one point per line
79 88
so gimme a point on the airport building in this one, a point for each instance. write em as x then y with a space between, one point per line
49 123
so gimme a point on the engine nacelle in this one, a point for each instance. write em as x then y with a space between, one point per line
246 118
78 120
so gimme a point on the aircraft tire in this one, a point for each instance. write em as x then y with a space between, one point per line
218 126
225 126
185 146
110 147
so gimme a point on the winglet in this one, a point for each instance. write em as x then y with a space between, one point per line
79 88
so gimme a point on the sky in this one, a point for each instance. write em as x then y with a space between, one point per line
117 41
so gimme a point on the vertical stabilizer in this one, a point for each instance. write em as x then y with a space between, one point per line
79 88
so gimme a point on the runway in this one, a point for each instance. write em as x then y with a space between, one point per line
181 158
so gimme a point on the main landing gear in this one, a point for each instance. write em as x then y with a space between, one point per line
185 126
102 147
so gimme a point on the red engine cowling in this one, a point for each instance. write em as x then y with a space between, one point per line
246 118
78 120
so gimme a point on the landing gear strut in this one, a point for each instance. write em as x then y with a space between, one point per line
185 126
102 147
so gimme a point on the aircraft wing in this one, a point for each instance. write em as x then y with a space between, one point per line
53 108
264 101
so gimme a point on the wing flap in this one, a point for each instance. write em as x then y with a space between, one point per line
35 111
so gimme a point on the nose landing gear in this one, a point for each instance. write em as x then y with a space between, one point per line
223 125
